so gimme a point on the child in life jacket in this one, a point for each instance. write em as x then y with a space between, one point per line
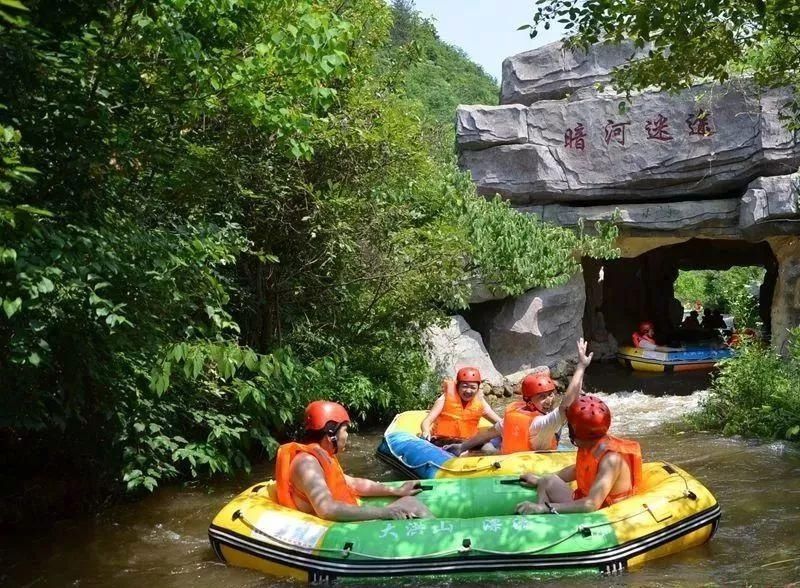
456 413
310 479
607 469
532 425
645 337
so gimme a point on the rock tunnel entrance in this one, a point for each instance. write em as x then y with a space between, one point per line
622 292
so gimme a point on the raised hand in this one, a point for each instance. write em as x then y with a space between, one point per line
583 359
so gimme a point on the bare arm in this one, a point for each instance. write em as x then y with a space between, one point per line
477 440
427 422
365 487
489 413
576 383
607 475
307 475
567 474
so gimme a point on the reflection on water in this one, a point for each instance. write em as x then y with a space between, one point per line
161 541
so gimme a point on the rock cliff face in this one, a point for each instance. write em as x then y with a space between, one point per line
457 345
538 328
705 141
552 73
710 163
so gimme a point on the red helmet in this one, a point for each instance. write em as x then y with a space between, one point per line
321 412
588 418
645 326
468 374
535 384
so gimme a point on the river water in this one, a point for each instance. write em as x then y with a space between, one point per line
161 541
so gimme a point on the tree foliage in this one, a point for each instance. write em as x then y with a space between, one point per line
212 213
686 41
755 394
728 290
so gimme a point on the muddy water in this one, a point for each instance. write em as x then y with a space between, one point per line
161 541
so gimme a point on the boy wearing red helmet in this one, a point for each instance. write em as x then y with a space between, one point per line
309 478
532 425
455 415
607 469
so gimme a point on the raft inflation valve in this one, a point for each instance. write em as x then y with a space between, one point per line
586 531
466 545
496 465
237 514
348 547
690 495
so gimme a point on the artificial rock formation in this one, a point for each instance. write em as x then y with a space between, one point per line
538 328
456 346
552 72
704 141
786 300
705 178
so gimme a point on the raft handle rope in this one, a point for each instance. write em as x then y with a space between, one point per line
466 545
492 466
583 530
347 550
670 469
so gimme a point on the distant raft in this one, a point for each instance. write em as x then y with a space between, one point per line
689 359
474 532
416 458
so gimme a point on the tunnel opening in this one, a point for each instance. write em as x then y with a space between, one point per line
621 293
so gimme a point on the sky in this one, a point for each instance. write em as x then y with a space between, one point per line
486 29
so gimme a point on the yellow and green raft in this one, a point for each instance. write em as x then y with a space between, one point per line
475 532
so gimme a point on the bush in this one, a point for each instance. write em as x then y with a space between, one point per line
755 394
212 213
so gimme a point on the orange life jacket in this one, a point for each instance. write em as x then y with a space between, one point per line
588 462
638 338
288 495
516 429
457 421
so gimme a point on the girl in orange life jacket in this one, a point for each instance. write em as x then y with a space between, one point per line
456 413
644 338
309 478
532 425
607 469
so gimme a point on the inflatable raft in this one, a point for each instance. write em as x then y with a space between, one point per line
474 532
689 359
416 458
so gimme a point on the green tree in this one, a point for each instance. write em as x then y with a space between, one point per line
687 41
213 213
728 290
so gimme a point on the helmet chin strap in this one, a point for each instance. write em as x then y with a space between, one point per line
335 442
